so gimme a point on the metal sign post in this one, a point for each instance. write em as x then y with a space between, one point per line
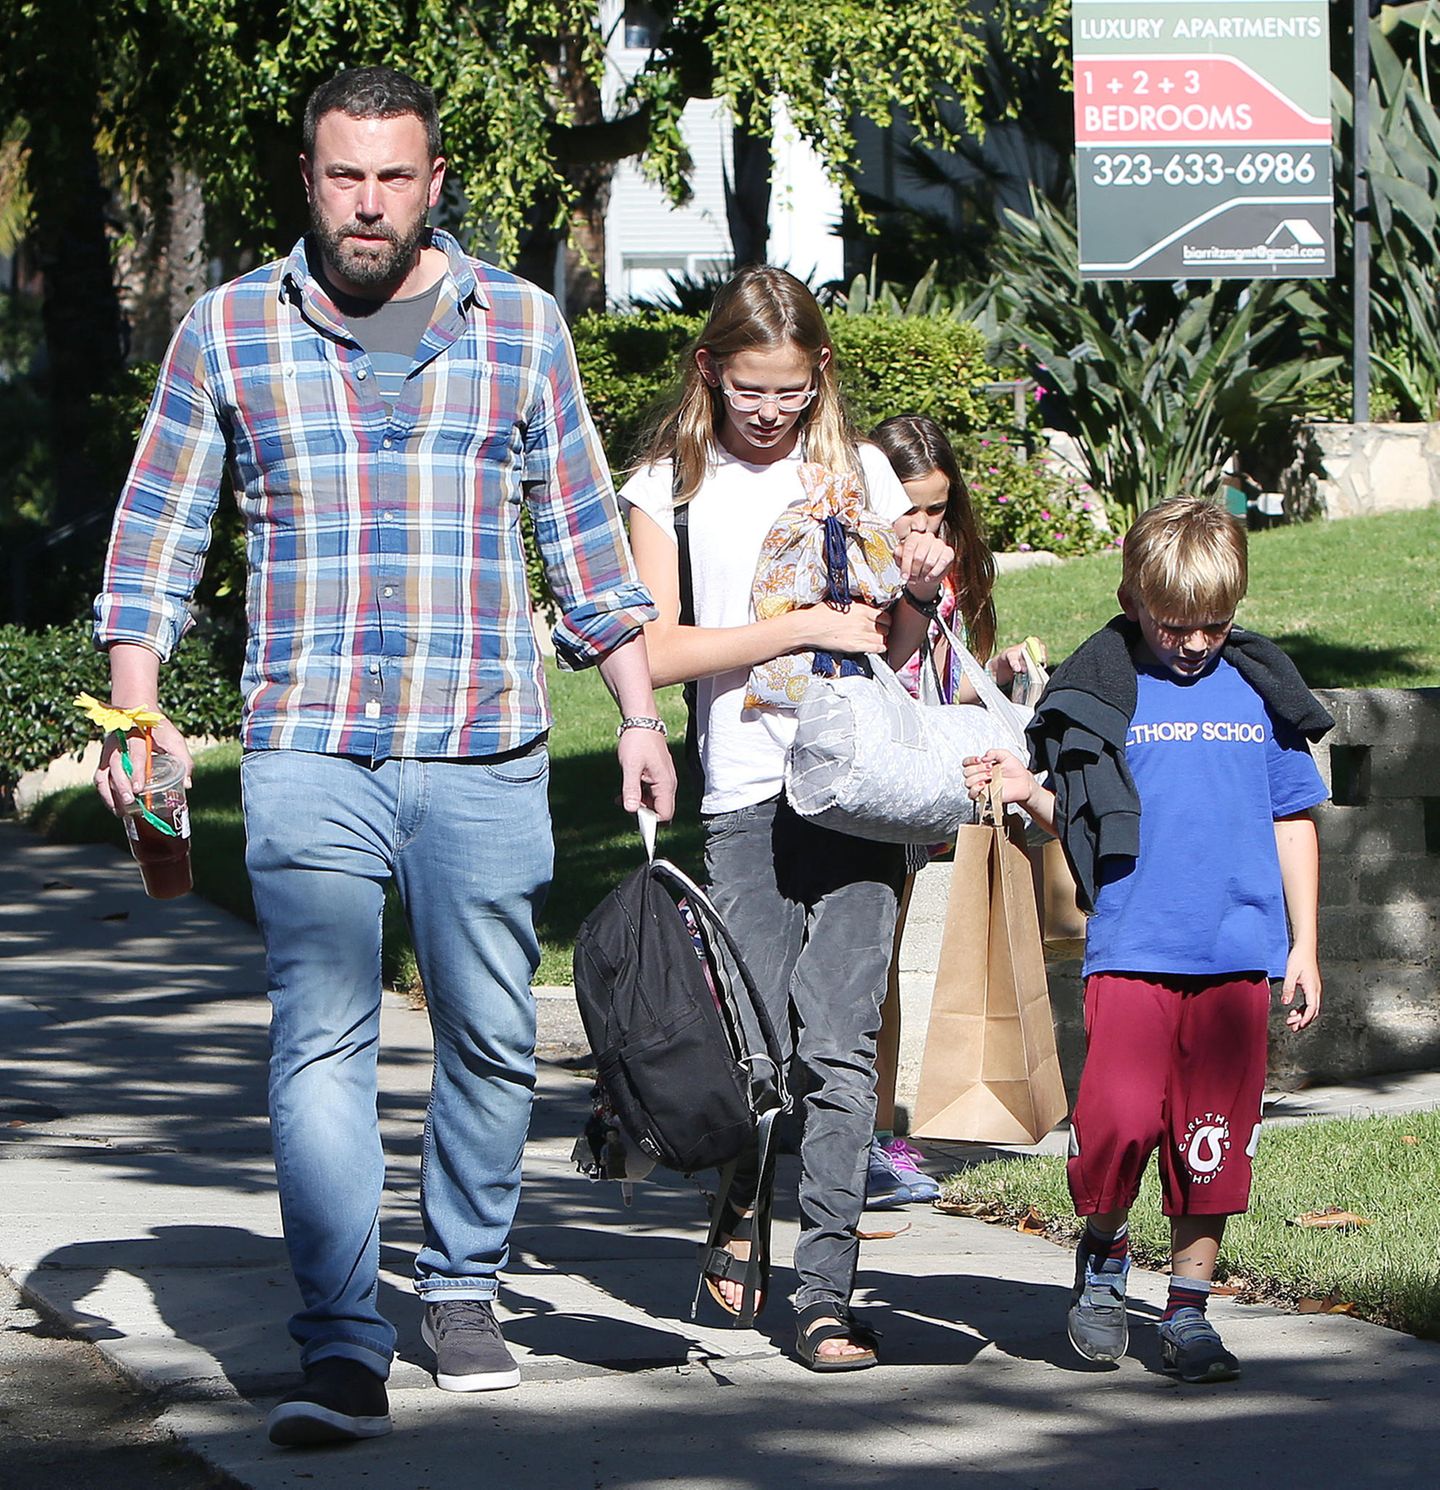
1202 131
1360 202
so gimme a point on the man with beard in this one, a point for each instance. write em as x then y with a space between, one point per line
383 406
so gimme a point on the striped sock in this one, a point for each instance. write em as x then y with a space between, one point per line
1101 1247
1185 1293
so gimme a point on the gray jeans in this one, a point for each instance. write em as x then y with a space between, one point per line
813 912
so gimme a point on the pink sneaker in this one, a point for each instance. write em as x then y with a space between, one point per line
906 1158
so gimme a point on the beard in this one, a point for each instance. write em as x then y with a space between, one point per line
372 265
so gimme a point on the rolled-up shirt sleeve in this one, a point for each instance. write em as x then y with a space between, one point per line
162 523
577 516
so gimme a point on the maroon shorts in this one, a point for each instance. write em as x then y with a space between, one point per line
1175 1064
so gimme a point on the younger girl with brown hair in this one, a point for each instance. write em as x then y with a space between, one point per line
922 457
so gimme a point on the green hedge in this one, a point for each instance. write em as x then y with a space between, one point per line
42 671
629 365
914 365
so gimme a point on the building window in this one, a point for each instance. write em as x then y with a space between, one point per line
642 26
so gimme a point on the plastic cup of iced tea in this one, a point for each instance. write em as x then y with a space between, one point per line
164 858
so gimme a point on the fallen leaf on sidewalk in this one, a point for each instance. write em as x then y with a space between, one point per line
1332 1303
982 1208
882 1236
1331 1218
1032 1223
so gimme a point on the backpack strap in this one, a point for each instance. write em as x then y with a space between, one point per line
647 822
689 692
752 1282
764 1205
769 1095
715 928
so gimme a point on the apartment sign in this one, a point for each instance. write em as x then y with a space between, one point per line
1202 135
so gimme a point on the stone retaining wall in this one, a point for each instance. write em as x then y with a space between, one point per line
1354 470
1379 888
1379 908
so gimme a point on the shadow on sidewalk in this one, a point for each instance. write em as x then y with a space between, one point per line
222 1290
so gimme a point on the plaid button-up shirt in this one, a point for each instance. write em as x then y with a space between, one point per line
388 608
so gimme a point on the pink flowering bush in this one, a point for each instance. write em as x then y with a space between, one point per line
1026 505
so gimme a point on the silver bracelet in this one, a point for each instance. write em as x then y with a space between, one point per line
640 721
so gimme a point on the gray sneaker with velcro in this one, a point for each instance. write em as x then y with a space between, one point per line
1191 1348
1097 1324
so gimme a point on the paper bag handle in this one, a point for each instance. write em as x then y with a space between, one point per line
990 809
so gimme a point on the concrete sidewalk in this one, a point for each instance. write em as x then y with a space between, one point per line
138 1203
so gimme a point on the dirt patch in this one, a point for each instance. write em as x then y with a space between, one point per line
69 1422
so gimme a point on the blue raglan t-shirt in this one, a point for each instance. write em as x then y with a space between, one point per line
1213 770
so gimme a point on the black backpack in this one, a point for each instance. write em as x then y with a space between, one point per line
683 1045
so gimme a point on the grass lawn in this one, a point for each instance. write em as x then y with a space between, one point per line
595 843
1381 1168
1355 603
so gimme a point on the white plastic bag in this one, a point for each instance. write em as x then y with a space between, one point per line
871 760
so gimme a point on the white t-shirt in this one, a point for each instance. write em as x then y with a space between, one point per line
742 751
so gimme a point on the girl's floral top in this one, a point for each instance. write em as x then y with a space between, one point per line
909 675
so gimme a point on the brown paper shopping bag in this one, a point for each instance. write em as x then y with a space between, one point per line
990 1072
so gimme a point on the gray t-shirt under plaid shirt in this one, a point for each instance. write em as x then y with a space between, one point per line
390 332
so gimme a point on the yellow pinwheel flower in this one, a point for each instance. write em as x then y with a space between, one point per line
110 719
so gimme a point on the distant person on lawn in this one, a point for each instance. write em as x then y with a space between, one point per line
385 406
1180 784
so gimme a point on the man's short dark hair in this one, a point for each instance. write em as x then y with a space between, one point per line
373 93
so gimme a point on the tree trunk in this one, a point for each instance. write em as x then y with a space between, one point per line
81 314
539 247
747 195
162 270
585 249
571 260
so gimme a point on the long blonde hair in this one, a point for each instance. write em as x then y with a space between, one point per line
759 309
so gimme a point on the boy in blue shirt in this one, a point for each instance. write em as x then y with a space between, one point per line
1179 780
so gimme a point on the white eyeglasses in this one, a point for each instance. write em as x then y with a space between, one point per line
747 401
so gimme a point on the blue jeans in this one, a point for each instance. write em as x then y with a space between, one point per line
813 913
468 845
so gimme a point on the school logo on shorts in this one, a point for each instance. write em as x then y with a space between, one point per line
1207 1141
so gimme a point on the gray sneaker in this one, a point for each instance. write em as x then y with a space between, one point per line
1191 1348
470 1351
1096 1323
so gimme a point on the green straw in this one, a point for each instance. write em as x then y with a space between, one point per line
145 812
